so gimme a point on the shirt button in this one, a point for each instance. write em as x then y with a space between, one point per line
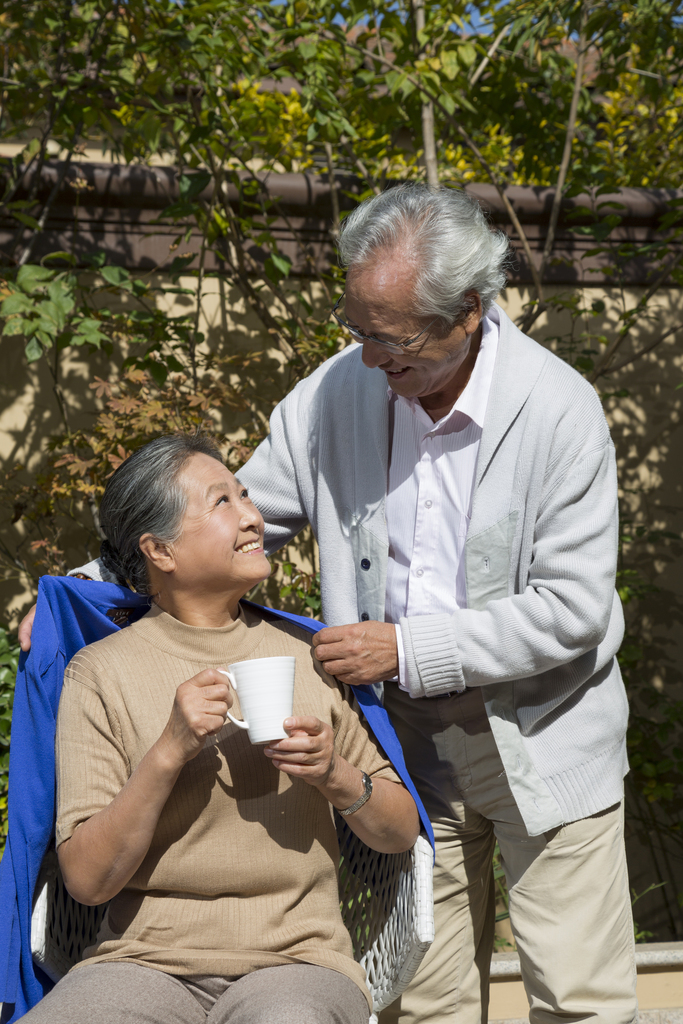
428 504
420 572
365 563
364 617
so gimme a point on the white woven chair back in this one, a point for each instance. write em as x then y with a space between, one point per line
386 904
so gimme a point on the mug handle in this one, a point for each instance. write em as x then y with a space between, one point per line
236 721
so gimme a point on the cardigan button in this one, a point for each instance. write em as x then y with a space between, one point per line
365 563
364 617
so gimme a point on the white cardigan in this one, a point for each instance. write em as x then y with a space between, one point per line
543 622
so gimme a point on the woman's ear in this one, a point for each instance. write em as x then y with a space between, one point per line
159 554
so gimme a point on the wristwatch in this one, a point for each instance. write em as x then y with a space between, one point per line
367 782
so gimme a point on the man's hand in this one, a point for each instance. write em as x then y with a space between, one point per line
308 753
360 654
26 628
199 710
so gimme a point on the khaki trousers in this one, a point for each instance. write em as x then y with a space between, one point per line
570 909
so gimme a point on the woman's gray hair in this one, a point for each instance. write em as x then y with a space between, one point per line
444 233
144 496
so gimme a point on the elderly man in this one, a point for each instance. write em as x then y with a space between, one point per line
461 483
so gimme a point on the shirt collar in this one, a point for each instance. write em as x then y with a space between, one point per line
474 399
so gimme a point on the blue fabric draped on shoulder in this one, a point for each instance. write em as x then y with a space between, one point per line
72 613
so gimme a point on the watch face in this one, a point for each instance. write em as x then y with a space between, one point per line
367 782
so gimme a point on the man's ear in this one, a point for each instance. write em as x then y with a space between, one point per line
157 552
475 312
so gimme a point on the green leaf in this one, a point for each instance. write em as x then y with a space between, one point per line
61 295
68 257
27 219
16 303
180 263
88 331
283 264
467 54
190 185
308 48
450 64
34 350
31 276
116 276
19 325
157 371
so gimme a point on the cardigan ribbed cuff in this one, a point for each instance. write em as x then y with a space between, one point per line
432 655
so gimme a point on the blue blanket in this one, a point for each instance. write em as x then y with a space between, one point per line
72 613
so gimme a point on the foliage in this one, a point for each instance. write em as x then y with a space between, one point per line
9 662
583 96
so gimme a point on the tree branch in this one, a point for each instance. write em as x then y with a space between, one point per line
534 312
643 351
633 318
428 139
334 194
489 53
493 177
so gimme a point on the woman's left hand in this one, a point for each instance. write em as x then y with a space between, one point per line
308 753
387 822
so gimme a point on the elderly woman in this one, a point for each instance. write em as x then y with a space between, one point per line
218 856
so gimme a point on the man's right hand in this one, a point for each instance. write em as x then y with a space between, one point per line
26 628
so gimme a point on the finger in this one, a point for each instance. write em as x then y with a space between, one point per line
301 743
327 651
304 723
335 666
293 756
211 677
214 707
333 635
217 691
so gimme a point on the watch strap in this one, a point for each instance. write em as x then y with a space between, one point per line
367 782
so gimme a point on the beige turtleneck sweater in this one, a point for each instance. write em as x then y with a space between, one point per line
242 871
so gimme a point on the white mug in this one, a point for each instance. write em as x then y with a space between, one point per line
265 687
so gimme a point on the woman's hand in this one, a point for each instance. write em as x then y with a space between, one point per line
387 822
308 753
199 710
107 849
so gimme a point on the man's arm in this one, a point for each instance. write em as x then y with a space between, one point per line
271 479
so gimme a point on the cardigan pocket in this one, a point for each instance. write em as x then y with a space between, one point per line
487 562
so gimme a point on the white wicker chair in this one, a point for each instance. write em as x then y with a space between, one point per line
386 902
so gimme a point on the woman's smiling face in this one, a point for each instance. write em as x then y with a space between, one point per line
220 548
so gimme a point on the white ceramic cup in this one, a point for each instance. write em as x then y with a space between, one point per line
265 687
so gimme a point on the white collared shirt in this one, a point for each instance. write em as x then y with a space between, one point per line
429 497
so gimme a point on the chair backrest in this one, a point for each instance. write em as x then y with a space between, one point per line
386 904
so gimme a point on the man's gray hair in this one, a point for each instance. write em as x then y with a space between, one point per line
444 233
144 496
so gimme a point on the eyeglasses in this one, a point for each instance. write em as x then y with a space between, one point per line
361 336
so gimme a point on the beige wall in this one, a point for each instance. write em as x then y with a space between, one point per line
645 424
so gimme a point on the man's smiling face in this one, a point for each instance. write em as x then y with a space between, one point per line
380 301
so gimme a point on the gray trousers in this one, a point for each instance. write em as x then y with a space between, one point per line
121 993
